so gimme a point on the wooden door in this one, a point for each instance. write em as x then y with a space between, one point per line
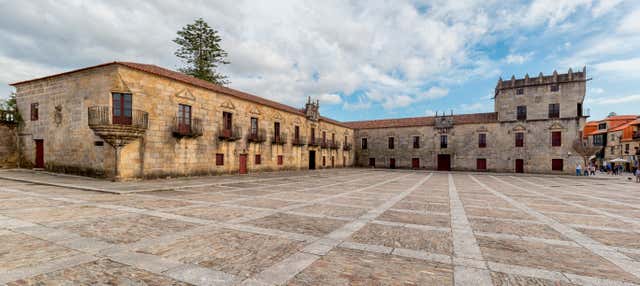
444 162
184 119
122 108
39 153
312 160
243 163
519 166
392 163
415 163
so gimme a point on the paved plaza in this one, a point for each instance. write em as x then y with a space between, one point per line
327 227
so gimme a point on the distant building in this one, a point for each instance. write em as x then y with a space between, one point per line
619 137
131 120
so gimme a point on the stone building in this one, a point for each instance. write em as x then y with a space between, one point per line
130 120
127 120
531 130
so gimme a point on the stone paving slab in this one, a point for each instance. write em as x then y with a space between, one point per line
332 227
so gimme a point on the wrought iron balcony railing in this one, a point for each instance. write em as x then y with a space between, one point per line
230 134
334 145
257 136
347 147
187 127
314 142
103 115
279 139
324 144
299 141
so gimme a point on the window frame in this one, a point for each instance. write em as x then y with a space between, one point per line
227 120
219 159
521 112
481 164
482 140
391 143
554 110
257 159
416 142
34 111
519 138
254 126
364 144
556 139
444 141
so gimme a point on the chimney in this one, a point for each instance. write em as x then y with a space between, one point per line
540 78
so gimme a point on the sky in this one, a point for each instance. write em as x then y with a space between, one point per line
361 59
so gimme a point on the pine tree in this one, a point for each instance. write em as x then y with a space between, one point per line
200 50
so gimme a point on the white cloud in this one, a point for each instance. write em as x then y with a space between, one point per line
635 98
630 24
329 98
622 68
518 58
552 12
604 6
475 107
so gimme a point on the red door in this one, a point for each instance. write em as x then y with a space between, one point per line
519 166
392 163
243 164
415 163
39 153
444 162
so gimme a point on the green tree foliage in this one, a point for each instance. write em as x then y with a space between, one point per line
10 105
200 50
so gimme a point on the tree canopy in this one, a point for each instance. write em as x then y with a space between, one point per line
201 52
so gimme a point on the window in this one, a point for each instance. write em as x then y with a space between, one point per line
579 109
296 132
276 131
345 140
281 160
522 112
121 108
612 149
481 164
554 110
324 161
254 126
184 118
364 144
313 135
257 159
391 142
324 137
482 140
444 141
333 138
598 140
554 88
557 165
602 126
372 162
519 139
227 118
520 91
626 148
416 142
34 111
556 139
219 159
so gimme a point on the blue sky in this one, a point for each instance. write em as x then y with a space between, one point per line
362 59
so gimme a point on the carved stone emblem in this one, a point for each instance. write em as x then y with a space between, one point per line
57 115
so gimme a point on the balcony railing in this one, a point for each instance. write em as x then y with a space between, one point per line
279 139
346 146
7 117
334 145
324 144
258 136
186 128
103 115
230 134
299 141
314 142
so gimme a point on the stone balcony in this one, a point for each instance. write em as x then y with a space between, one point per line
118 131
189 128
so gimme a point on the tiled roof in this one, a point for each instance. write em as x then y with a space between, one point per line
159 71
423 121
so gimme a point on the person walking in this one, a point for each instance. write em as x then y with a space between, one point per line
593 170
638 175
578 170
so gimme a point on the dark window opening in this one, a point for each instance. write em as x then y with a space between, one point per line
522 112
519 139
276 131
416 142
554 110
280 160
557 165
364 144
444 141
257 159
227 119
254 126
296 133
219 159
391 142
372 162
34 111
556 139
482 140
579 109
98 143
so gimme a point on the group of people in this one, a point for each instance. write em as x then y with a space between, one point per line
610 169
588 170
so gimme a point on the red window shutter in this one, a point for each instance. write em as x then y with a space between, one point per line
219 159
280 159
557 165
556 139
